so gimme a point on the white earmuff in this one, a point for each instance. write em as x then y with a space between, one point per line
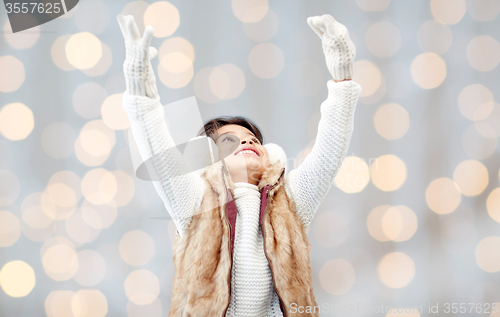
276 154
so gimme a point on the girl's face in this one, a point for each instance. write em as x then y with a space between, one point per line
246 159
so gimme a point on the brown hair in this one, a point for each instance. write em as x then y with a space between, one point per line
211 126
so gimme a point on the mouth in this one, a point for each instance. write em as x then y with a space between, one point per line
247 151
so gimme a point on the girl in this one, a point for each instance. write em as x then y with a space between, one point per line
241 248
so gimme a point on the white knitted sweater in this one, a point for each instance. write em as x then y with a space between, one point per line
252 291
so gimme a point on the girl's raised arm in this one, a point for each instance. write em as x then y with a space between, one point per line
310 182
183 194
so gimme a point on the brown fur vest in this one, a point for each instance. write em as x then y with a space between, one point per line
203 254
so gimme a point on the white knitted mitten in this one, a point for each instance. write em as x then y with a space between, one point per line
139 76
338 48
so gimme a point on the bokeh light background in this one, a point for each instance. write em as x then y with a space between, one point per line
413 218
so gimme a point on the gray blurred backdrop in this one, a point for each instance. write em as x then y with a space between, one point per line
412 221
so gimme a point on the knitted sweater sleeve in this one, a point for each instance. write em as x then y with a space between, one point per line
309 183
182 194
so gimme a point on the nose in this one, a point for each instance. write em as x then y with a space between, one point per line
249 141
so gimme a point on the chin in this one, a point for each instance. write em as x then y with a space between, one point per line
250 163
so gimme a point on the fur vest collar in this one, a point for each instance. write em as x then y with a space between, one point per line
203 254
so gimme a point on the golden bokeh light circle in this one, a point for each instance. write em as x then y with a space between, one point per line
142 287
392 223
176 57
484 10
226 81
35 217
337 276
396 223
136 247
62 195
176 62
103 65
83 50
388 172
353 175
172 79
16 121
95 138
89 303
487 254
250 11
58 303
33 214
219 82
475 102
410 223
201 85
399 223
391 121
17 278
368 75
266 60
113 114
374 223
483 53
21 40
99 186
125 188
472 177
60 198
493 204
176 45
396 270
485 130
38 234
12 73
448 11
163 17
95 143
60 262
69 178
428 70
58 53
443 195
